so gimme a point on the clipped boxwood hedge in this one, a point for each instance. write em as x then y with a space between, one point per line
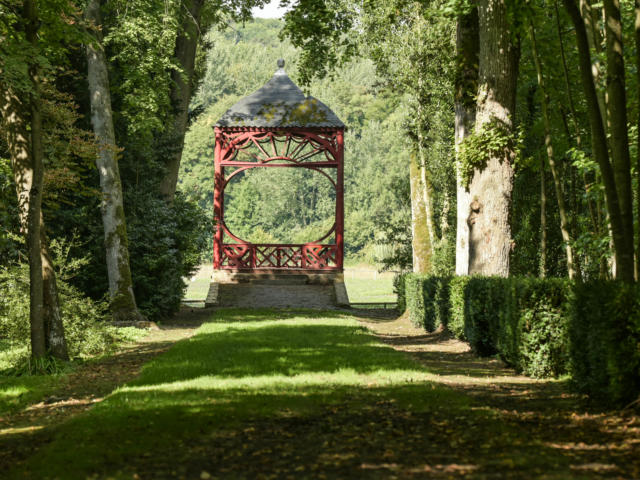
605 341
541 327
427 300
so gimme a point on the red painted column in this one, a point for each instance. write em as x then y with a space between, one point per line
218 199
340 201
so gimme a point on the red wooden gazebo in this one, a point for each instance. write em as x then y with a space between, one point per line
278 127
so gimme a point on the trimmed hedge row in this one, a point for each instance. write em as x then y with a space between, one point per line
541 327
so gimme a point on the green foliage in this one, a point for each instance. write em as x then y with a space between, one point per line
400 289
293 205
165 245
524 320
604 330
493 139
84 319
427 300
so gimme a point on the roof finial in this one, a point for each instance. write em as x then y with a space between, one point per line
281 63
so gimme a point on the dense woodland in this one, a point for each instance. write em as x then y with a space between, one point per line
484 137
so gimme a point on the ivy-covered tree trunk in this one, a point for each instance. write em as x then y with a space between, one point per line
465 116
182 86
420 240
123 303
492 181
573 267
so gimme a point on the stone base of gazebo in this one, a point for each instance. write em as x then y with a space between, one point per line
281 289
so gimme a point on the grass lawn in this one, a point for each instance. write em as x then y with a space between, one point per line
283 394
363 283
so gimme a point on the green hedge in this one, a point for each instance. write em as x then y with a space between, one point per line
605 341
427 300
399 290
541 327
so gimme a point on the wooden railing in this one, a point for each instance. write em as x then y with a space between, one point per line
257 256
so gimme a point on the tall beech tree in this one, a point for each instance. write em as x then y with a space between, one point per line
122 299
491 183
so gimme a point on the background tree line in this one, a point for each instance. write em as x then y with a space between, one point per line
540 106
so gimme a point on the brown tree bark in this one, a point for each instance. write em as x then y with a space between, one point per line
600 147
617 117
572 264
182 87
122 300
543 222
465 116
637 41
55 340
491 187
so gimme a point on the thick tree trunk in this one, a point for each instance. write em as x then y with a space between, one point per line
123 303
182 86
421 247
617 117
600 147
465 116
491 186
572 264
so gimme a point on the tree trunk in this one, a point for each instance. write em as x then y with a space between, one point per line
617 117
182 86
637 41
543 222
572 265
56 342
574 117
123 303
599 141
465 113
421 247
32 172
491 186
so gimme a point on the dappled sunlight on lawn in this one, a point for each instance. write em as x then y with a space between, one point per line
278 394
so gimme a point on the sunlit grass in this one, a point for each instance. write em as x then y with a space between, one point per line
244 364
363 288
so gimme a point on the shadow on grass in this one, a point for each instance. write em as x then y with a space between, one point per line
311 395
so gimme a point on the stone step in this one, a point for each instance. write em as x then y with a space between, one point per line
276 296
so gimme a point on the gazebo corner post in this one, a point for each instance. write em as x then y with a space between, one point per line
340 201
218 196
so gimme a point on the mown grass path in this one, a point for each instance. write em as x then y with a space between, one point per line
273 394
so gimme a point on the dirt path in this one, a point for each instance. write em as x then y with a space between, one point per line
22 432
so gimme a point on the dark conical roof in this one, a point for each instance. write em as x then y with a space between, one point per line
279 103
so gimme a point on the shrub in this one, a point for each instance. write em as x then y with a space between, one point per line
165 245
524 320
83 318
604 330
533 328
399 289
427 299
